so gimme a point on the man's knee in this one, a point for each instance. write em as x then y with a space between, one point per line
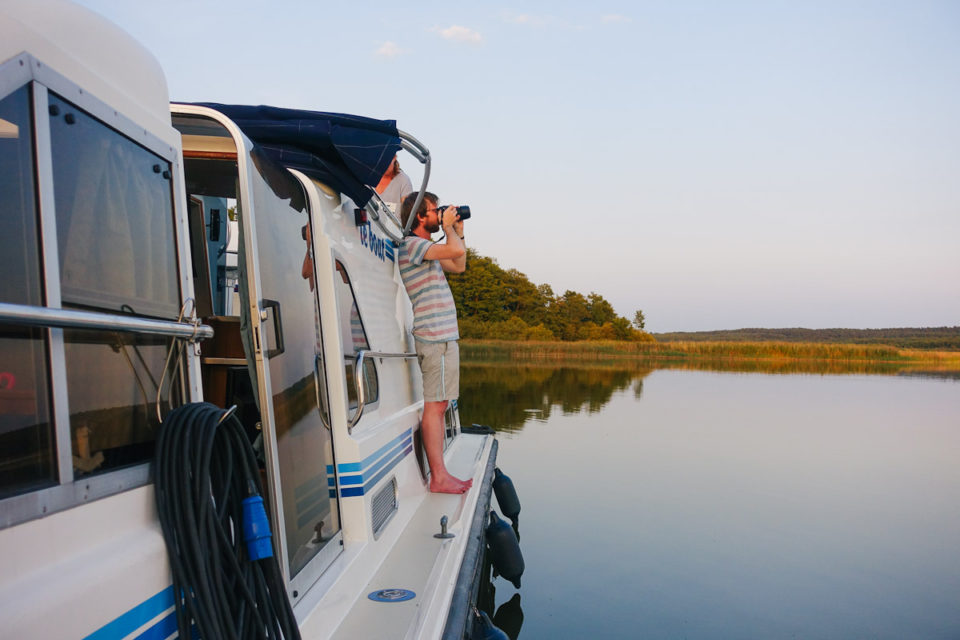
435 407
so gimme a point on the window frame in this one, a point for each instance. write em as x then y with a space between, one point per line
15 73
348 358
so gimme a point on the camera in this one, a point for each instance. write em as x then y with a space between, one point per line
462 212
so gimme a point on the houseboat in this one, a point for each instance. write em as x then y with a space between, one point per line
231 259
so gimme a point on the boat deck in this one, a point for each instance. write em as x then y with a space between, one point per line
416 561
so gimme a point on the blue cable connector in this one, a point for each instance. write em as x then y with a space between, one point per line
256 529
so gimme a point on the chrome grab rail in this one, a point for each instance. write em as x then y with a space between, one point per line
415 148
379 206
421 153
75 319
358 378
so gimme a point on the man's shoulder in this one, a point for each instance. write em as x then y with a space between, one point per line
414 242
413 248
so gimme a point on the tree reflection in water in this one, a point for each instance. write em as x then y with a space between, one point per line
505 395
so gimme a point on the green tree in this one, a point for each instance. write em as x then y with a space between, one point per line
622 329
601 311
478 291
639 321
572 314
493 302
522 298
538 333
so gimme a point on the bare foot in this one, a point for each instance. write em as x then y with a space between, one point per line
450 485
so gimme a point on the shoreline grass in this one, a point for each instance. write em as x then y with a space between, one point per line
479 350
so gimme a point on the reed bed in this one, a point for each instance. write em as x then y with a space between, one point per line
717 351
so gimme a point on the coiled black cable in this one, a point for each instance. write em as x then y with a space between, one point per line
203 470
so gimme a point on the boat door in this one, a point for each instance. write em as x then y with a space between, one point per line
292 389
280 327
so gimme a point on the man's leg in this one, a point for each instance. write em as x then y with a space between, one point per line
440 479
437 387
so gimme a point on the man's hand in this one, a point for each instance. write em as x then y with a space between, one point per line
449 217
454 252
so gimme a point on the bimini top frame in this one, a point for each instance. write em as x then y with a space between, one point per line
347 153
415 148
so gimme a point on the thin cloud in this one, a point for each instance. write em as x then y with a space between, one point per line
524 19
390 50
459 34
612 18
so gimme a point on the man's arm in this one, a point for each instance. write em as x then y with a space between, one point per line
453 253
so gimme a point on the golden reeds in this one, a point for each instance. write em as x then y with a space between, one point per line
478 350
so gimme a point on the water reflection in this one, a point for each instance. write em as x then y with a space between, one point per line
508 617
676 503
507 396
818 367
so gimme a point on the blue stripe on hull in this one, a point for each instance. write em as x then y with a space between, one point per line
127 623
358 478
161 630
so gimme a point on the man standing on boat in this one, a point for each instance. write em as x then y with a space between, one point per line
422 265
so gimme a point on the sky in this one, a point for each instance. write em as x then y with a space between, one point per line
717 165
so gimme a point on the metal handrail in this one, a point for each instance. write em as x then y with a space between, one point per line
421 153
358 378
415 148
75 319
378 206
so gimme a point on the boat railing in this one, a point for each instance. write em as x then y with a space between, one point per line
379 206
421 153
358 379
415 148
75 319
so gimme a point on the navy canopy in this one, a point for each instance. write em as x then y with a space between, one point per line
347 153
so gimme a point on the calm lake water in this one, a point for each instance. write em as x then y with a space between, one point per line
698 504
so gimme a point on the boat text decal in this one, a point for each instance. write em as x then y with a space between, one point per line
379 247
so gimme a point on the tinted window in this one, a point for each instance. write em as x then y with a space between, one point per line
112 381
114 218
354 339
26 444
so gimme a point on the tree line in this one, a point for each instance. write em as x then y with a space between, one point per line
497 303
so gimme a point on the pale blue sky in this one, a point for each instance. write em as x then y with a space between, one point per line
717 164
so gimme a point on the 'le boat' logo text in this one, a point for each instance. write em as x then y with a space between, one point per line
377 245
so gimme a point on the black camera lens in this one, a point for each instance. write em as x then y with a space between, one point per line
462 212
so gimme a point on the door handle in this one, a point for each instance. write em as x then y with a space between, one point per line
320 382
277 327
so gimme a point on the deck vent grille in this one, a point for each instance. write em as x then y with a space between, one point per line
383 506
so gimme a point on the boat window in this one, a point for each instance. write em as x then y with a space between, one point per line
117 249
354 339
114 218
113 416
26 439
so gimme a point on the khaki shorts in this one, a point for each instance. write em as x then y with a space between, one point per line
440 364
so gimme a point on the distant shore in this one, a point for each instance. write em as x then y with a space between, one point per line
928 338
705 351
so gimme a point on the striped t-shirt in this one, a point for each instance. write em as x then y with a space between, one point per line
434 313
